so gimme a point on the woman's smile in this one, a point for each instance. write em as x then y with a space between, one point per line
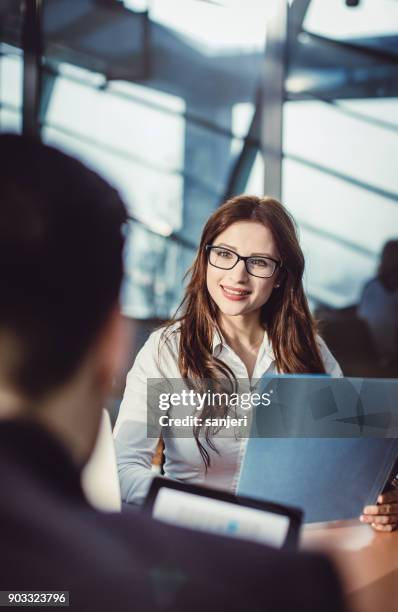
234 293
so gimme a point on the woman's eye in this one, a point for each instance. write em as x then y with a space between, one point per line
224 254
261 263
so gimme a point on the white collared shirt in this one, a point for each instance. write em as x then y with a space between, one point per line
183 460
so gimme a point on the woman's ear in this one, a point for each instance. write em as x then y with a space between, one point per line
280 279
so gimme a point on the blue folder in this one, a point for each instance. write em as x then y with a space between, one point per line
327 446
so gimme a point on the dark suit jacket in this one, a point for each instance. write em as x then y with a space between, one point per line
51 539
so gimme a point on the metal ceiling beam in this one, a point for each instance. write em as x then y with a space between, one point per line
273 98
243 165
32 50
296 15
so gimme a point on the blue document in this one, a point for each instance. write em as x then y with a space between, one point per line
327 446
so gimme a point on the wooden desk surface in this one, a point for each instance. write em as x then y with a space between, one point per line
367 562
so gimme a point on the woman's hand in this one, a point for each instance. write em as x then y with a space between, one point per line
383 516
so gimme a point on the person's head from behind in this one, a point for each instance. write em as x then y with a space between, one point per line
61 241
268 285
388 269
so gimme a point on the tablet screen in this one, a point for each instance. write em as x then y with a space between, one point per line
191 511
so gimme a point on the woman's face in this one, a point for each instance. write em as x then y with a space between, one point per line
235 291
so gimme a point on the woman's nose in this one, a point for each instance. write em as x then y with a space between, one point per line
239 272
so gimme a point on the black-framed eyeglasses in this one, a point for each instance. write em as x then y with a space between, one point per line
225 259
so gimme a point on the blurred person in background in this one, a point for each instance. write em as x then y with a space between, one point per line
378 305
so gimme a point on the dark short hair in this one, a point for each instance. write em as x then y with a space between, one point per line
61 243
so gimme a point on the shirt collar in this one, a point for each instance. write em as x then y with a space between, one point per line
219 343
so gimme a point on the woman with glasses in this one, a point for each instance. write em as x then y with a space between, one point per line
244 314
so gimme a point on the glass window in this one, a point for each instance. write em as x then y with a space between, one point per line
334 19
340 143
171 140
10 88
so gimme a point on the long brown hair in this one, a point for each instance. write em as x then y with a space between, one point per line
285 316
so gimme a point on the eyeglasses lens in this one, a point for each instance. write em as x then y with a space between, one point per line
256 266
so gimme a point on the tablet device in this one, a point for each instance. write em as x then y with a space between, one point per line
220 513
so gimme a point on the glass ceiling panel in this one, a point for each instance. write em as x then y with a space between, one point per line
10 121
340 142
343 228
313 132
121 123
383 110
153 197
10 76
10 89
345 212
344 282
217 29
334 19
